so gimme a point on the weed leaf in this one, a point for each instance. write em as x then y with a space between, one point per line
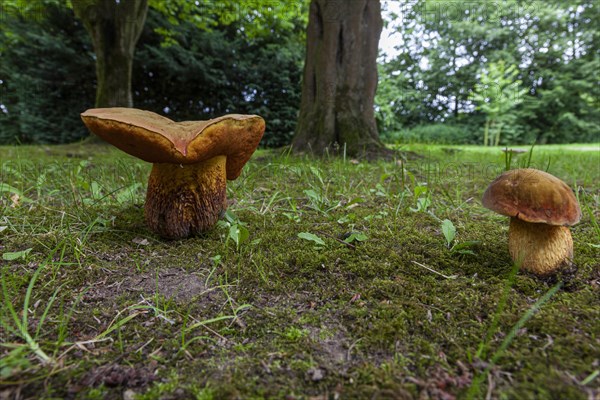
128 194
238 233
11 256
356 237
312 237
5 187
449 231
354 201
465 245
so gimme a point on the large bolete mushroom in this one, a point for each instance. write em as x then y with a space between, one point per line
541 208
191 162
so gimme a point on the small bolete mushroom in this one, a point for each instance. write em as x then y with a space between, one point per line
541 208
191 161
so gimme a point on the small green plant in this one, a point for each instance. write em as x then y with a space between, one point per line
347 219
216 260
523 162
6 188
595 225
19 326
188 328
294 334
473 391
449 231
311 237
381 214
498 92
16 255
422 194
318 201
356 237
294 214
237 231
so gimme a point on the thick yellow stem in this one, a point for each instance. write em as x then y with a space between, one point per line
539 248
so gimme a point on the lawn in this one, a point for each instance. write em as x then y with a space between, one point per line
327 278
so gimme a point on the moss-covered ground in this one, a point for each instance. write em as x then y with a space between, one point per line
327 279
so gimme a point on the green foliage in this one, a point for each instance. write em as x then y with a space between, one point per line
445 46
398 304
312 238
46 78
449 231
498 92
16 255
434 133
566 107
204 74
237 231
356 237
253 18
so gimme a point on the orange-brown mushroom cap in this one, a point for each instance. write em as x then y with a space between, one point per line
157 139
532 195
191 162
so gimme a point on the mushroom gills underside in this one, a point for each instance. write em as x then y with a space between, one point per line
184 200
539 248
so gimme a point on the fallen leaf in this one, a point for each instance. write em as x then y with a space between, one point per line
355 297
15 198
316 374
141 241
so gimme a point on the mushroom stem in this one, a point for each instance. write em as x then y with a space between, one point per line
539 248
183 200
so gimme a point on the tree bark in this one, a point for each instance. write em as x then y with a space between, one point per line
340 79
115 27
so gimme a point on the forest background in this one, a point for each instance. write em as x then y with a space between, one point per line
507 72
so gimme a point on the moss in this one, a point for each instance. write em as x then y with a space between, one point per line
370 319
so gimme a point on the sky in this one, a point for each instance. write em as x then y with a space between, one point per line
389 38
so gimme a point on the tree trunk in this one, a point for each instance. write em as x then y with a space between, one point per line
340 79
115 27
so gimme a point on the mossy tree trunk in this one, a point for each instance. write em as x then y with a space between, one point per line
115 27
340 79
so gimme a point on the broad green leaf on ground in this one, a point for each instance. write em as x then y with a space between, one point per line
356 237
15 255
448 230
311 237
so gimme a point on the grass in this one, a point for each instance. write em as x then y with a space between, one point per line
326 278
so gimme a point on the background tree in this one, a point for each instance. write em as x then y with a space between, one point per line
229 68
444 45
497 93
46 74
249 62
340 78
197 60
115 27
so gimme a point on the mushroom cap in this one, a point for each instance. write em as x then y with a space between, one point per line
532 195
157 139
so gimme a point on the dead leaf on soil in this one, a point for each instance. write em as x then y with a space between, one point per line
141 241
15 198
315 374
